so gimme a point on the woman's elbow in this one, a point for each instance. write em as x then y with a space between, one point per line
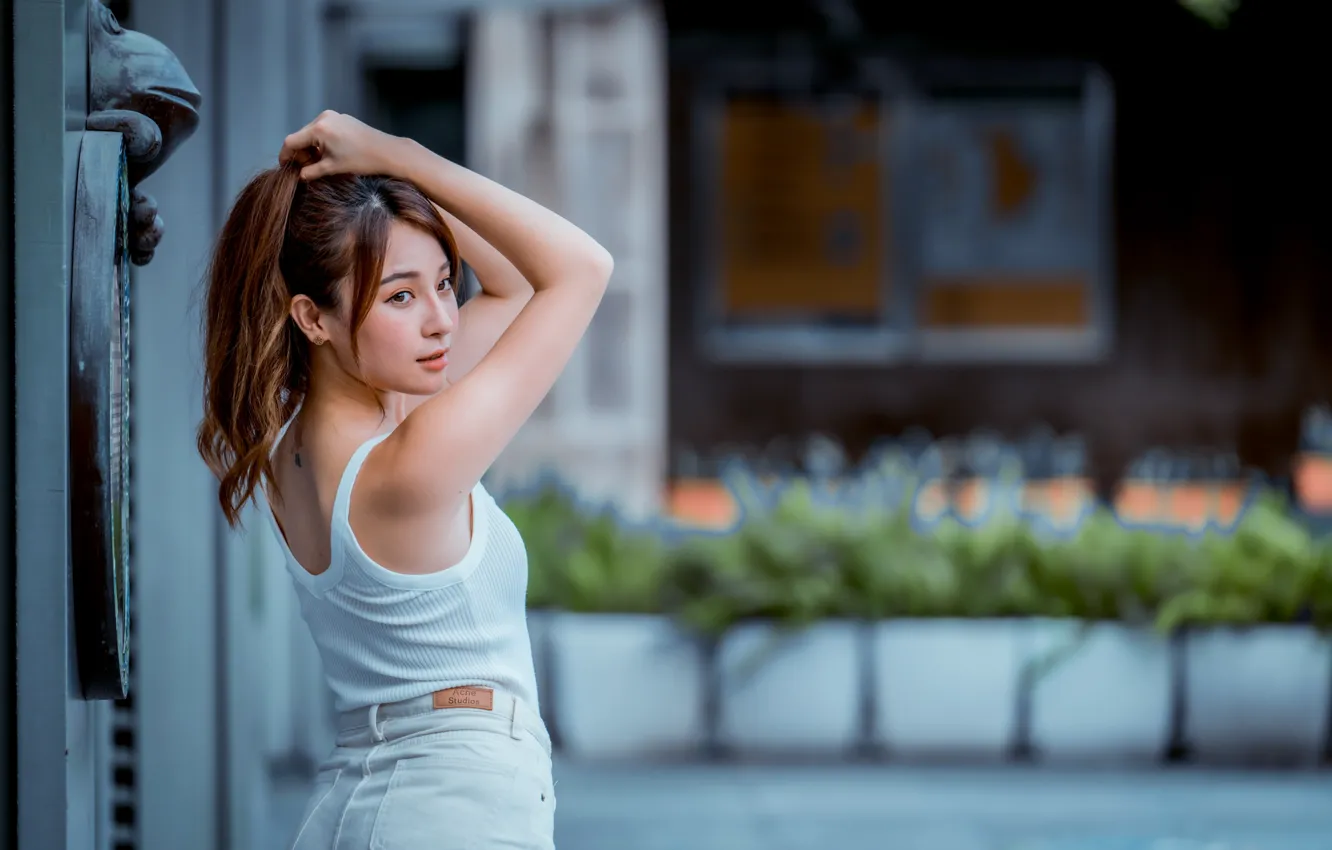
601 266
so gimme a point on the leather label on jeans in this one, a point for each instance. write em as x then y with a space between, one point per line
482 698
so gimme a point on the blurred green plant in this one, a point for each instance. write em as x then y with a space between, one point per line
614 569
806 553
1109 572
553 527
586 561
1268 569
1215 12
781 563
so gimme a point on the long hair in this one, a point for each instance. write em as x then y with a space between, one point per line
283 238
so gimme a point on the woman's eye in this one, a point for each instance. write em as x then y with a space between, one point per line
446 284
400 297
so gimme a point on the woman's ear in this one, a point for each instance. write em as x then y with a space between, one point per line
308 318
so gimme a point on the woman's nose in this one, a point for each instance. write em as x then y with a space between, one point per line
441 319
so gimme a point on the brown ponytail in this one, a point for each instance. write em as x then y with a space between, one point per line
285 238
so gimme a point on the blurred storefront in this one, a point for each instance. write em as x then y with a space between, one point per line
885 218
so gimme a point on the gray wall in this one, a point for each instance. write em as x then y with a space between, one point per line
58 733
177 693
7 801
212 620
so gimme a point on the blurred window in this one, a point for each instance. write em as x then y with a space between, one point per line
963 217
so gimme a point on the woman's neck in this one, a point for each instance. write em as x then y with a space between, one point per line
354 402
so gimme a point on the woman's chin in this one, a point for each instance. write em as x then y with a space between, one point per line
433 385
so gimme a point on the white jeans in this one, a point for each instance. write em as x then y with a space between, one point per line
408 776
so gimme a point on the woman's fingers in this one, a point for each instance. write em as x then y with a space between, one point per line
317 170
309 136
304 156
334 143
299 142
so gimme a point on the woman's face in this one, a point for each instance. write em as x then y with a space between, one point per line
405 340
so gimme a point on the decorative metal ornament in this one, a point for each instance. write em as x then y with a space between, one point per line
99 404
138 88
142 106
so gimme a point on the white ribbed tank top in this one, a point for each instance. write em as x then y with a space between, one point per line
385 636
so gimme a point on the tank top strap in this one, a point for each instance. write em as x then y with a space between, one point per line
282 432
342 500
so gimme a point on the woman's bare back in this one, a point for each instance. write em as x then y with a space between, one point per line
308 466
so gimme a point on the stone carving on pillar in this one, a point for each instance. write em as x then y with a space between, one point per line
142 106
138 88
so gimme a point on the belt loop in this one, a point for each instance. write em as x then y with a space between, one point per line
515 731
376 733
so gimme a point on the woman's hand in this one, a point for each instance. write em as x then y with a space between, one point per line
335 143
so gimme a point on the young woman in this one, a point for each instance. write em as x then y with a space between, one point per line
344 384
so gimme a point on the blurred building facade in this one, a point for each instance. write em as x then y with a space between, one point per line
1206 271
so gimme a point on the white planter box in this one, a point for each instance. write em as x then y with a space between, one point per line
795 692
1257 695
1107 696
625 686
947 688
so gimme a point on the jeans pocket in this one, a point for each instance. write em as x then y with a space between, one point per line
445 803
316 819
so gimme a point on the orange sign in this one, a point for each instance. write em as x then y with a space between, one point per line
1313 482
1008 239
802 218
701 503
1006 302
1185 506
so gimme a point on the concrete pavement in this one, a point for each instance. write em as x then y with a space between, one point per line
875 808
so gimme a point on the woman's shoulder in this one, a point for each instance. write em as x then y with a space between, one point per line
317 452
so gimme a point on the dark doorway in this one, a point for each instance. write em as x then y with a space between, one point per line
422 103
